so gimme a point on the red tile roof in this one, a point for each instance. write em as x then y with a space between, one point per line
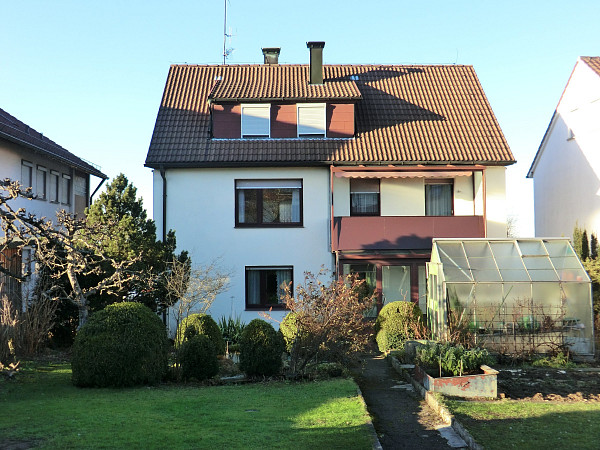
593 62
407 114
13 130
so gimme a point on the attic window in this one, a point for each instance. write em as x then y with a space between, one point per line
311 120
256 120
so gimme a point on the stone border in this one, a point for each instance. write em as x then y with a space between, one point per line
433 402
376 443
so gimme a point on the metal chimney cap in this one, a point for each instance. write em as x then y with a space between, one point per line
315 44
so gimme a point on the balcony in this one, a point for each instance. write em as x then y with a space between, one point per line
404 232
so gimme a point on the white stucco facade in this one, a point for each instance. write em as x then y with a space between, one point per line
566 170
201 210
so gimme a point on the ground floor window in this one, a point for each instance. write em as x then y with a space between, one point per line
397 280
265 286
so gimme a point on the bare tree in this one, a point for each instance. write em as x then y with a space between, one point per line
70 249
194 288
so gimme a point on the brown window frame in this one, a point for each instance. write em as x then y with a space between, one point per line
259 205
359 214
438 181
263 274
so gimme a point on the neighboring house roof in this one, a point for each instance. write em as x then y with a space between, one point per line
404 114
13 130
594 63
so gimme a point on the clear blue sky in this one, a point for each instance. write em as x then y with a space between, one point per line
90 74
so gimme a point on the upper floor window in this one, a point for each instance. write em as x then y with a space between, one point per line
311 120
65 190
41 182
438 198
26 174
364 197
54 186
268 203
256 120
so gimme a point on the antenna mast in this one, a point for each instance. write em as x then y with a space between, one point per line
224 32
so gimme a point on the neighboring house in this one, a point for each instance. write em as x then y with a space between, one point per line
281 169
566 168
58 178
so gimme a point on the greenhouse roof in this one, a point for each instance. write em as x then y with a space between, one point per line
508 260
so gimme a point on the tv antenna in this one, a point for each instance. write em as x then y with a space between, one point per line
226 35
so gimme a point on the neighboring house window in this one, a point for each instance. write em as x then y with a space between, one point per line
311 120
265 286
41 178
438 198
65 190
26 174
54 186
364 197
256 120
268 203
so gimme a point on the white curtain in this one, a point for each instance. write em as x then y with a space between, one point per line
241 206
284 276
253 287
438 200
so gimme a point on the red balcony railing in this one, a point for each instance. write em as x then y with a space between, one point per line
405 232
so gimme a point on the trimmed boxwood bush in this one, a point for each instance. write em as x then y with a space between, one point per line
261 348
201 324
125 344
396 323
198 358
289 330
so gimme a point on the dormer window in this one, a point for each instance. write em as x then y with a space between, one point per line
256 120
311 120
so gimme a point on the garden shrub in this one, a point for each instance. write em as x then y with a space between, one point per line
231 329
289 330
200 324
198 358
397 322
449 360
125 344
261 348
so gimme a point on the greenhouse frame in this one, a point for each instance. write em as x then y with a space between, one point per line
515 296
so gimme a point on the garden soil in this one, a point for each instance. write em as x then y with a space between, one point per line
401 418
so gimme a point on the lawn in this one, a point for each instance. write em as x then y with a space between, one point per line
532 425
42 407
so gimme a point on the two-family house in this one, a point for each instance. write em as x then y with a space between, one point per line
58 178
566 168
280 169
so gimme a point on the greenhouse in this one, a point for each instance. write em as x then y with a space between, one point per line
515 296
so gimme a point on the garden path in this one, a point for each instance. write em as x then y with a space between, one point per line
401 418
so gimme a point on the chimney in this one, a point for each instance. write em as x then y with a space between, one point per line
271 55
316 62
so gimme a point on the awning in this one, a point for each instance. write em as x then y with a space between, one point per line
402 174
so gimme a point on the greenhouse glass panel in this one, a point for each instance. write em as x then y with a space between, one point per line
477 249
395 283
546 295
457 274
531 247
509 275
559 248
486 263
508 262
486 275
505 250
537 262
543 275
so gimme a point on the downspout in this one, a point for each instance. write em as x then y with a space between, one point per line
164 222
164 203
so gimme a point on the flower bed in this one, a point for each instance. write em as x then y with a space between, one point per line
484 384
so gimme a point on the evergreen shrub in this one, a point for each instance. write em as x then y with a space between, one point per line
200 324
261 348
397 322
289 330
198 358
125 344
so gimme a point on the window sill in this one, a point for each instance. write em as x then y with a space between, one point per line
275 225
266 308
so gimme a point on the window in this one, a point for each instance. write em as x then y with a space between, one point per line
41 186
438 198
311 120
65 190
256 120
54 186
265 286
364 197
26 174
268 203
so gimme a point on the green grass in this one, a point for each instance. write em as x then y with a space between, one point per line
43 406
532 425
